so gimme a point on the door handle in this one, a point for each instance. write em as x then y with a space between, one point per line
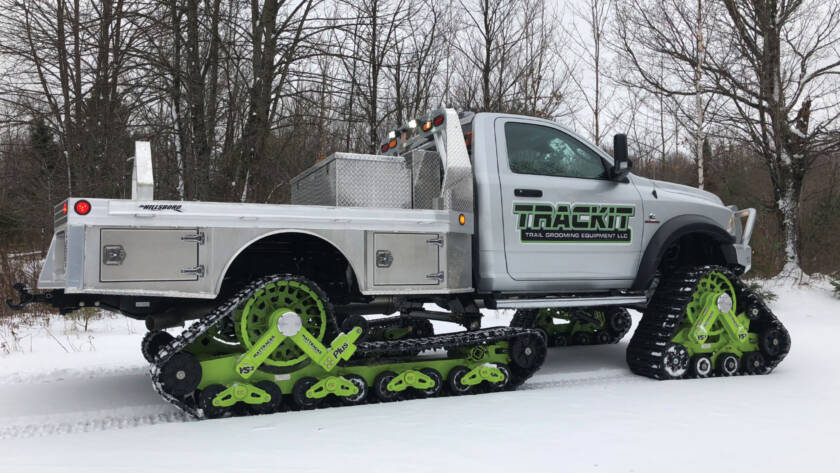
527 193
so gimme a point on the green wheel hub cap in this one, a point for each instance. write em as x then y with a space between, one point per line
255 317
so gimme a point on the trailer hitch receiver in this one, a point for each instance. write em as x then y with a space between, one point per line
25 297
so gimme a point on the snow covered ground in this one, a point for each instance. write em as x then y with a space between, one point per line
81 401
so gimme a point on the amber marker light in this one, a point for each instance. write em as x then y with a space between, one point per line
462 219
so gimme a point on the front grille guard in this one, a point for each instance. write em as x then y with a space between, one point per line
747 229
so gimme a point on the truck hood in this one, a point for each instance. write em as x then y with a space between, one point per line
685 191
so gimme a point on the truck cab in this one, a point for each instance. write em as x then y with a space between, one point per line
556 214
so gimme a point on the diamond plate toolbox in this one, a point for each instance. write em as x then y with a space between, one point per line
363 180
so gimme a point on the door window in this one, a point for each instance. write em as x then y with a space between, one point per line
546 151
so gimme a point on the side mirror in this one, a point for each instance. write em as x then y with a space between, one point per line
621 165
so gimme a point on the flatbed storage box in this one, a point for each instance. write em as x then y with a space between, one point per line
355 180
366 180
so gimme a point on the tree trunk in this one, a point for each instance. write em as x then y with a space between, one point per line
788 214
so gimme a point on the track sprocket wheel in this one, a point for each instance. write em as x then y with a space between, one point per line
292 293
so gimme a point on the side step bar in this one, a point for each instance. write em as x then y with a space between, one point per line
567 302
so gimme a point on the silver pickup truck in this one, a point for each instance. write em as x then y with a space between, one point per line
463 211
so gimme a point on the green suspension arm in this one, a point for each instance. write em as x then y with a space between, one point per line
287 324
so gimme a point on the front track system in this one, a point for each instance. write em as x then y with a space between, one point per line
703 322
274 345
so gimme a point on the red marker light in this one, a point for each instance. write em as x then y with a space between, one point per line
82 207
438 121
384 147
64 207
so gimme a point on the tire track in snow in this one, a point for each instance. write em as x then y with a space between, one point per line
82 422
569 381
64 374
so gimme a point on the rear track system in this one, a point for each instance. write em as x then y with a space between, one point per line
273 346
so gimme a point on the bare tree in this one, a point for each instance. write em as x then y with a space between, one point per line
70 63
278 29
544 86
377 27
776 65
589 35
418 61
489 40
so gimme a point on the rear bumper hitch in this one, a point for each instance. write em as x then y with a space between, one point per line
25 297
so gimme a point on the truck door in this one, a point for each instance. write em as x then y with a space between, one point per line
563 218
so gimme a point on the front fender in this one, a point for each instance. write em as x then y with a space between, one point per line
673 230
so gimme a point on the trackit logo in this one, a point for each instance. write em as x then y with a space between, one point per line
160 207
573 223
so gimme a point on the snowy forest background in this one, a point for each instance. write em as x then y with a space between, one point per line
741 97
